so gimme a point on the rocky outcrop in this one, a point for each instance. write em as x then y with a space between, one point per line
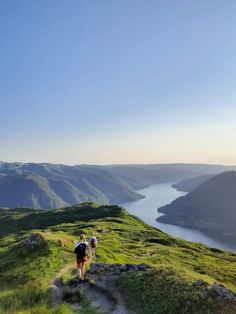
35 239
117 268
215 291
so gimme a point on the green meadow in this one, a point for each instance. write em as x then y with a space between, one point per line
25 273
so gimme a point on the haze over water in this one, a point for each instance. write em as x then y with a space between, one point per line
157 196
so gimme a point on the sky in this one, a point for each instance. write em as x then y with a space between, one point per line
128 81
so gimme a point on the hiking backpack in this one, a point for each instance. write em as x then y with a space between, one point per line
92 241
81 250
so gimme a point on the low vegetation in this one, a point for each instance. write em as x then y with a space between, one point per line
26 272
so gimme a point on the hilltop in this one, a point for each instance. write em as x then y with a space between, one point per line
211 208
171 284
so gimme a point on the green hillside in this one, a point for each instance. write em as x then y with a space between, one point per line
28 190
211 208
25 273
49 186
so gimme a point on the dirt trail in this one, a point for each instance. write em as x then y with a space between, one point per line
98 298
104 295
56 285
100 289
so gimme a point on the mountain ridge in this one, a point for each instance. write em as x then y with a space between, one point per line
104 184
56 185
210 208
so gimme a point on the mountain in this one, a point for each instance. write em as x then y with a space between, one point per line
135 263
189 185
210 208
27 190
140 176
47 186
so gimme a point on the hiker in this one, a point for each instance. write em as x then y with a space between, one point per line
93 245
81 251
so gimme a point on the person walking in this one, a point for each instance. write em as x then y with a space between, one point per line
81 251
93 245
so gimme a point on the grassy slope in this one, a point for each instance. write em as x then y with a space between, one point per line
28 190
50 186
25 274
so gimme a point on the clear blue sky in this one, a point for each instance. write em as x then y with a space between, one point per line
125 81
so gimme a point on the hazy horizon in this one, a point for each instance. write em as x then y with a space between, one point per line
128 82
117 164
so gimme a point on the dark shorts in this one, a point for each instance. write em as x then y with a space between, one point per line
81 260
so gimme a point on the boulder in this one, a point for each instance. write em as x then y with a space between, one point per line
35 239
200 283
215 291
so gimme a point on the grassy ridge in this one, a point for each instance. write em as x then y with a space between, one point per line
167 290
25 274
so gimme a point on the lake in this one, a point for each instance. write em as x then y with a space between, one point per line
159 195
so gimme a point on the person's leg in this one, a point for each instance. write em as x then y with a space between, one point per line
82 270
79 270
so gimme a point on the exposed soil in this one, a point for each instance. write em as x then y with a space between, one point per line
99 289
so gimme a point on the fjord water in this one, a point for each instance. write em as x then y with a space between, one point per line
159 195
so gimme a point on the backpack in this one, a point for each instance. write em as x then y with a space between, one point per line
81 250
93 242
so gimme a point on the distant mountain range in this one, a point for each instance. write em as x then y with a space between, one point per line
189 185
140 176
211 207
47 186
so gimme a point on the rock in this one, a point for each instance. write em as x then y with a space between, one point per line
74 283
215 291
33 240
231 297
200 283
220 290
223 293
58 282
117 268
